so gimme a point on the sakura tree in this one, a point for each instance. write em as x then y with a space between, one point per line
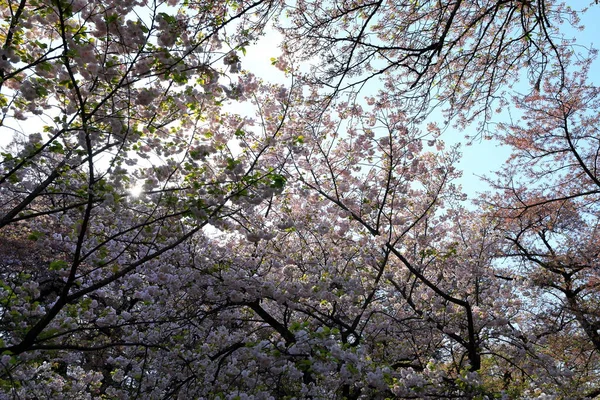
97 98
462 55
547 208
172 226
392 188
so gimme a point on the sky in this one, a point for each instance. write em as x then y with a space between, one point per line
480 157
484 157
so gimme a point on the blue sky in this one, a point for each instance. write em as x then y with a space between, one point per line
481 157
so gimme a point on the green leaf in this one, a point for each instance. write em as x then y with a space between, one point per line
35 236
58 265
57 148
168 18
232 163
278 181
41 46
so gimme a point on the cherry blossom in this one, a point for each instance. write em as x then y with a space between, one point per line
175 226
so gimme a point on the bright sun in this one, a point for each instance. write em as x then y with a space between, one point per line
136 191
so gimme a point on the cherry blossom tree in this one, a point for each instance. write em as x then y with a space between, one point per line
462 55
99 97
547 208
172 226
394 186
